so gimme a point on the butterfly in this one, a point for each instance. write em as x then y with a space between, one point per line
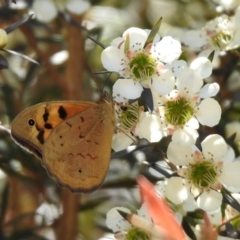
72 139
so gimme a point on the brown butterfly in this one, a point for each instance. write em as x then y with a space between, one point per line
73 140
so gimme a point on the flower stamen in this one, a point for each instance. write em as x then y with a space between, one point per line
137 234
129 116
178 111
203 173
142 66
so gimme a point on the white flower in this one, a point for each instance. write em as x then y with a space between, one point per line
133 122
203 173
184 108
126 119
140 65
47 10
219 34
122 227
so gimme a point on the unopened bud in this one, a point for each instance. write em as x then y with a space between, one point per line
3 38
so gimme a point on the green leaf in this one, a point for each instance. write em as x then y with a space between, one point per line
153 32
210 57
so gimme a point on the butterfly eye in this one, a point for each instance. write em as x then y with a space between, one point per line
31 122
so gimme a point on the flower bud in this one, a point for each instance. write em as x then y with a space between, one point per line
3 38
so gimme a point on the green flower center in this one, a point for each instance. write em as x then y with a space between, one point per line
129 116
178 111
203 173
137 234
220 31
221 40
142 66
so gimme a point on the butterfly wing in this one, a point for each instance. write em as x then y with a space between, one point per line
31 128
78 151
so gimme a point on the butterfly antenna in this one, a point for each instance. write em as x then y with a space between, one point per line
106 82
96 81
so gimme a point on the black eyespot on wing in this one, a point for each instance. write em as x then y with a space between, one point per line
31 122
62 112
48 126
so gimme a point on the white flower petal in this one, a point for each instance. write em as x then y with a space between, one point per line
45 11
121 141
179 154
163 82
136 35
236 37
203 66
230 174
127 88
189 204
193 123
229 155
77 6
144 212
214 146
209 112
111 59
176 190
149 127
188 82
210 200
168 49
115 221
209 90
176 66
194 38
215 217
186 136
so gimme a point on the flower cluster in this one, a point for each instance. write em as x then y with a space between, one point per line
182 98
219 34
202 173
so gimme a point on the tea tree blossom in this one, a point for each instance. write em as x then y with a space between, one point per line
190 103
139 64
126 120
131 122
202 173
219 34
122 228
